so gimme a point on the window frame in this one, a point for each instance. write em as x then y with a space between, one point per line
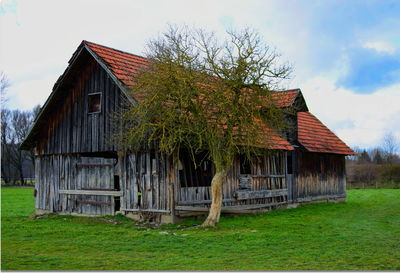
88 102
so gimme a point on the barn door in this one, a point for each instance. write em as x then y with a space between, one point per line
95 177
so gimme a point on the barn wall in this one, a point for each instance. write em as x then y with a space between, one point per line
149 182
69 127
319 175
143 179
56 173
145 182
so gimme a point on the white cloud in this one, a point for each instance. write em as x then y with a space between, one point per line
358 119
48 32
31 92
36 50
380 46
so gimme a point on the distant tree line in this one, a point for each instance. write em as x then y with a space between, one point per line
377 167
16 165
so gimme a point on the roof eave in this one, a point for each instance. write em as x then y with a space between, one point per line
28 142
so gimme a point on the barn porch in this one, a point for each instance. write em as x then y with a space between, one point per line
260 184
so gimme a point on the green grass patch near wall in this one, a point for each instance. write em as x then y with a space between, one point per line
361 234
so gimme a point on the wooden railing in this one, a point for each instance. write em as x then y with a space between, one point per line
91 192
245 194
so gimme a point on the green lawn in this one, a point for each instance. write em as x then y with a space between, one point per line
362 234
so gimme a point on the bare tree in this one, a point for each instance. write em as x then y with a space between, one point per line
21 122
4 84
390 147
6 149
378 159
14 127
207 95
36 111
364 157
5 130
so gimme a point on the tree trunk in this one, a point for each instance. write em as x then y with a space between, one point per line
216 196
21 176
20 167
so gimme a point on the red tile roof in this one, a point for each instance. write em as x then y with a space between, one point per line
266 137
271 140
316 137
122 64
312 133
285 98
125 65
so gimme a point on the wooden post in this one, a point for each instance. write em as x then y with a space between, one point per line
171 188
295 168
122 178
289 178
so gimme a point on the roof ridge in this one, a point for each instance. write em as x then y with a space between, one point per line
118 50
289 90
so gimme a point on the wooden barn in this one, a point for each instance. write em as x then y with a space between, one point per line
80 172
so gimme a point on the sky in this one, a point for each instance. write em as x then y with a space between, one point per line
345 54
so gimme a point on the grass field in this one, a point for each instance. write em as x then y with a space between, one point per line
361 234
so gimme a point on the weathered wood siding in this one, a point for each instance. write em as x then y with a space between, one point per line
74 174
146 182
319 175
69 127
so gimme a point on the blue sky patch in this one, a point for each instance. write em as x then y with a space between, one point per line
340 29
369 70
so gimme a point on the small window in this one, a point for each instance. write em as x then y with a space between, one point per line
94 103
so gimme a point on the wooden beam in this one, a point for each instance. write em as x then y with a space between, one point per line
199 202
267 176
320 197
93 202
242 195
230 209
245 195
98 189
86 192
146 210
93 165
